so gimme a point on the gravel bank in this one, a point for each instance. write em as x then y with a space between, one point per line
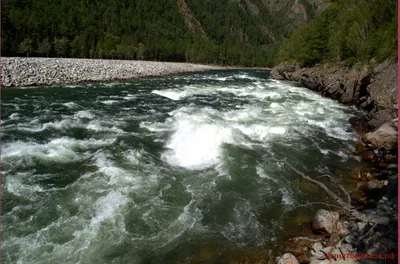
50 71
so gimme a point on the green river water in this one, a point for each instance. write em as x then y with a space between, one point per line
179 169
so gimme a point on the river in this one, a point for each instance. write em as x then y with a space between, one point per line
178 169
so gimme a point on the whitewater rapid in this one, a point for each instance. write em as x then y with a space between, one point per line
151 171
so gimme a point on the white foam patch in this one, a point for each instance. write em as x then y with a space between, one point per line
109 102
286 197
61 150
84 114
15 186
261 172
134 156
99 127
107 207
14 116
171 94
196 146
156 127
71 105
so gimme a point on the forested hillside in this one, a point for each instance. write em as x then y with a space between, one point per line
348 30
227 32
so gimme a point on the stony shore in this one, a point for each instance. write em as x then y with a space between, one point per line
372 88
339 236
19 71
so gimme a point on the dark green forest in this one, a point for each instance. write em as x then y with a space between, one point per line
136 29
349 31
228 32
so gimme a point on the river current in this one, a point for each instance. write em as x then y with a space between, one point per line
179 169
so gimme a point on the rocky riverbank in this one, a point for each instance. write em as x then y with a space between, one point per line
339 236
371 88
19 71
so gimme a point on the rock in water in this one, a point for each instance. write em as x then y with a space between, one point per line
324 222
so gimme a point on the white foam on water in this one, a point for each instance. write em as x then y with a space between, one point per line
196 139
261 132
14 116
155 127
172 94
134 156
116 176
244 228
99 127
261 172
286 197
196 146
61 150
84 114
109 102
107 207
15 186
130 97
71 105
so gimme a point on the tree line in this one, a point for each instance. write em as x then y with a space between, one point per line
135 29
348 30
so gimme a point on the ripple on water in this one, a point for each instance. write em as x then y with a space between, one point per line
131 175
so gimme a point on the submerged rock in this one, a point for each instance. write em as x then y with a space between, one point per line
360 147
300 244
361 174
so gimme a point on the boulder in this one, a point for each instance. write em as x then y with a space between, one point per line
325 222
385 136
288 258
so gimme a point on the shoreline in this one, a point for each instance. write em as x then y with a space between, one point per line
337 233
32 71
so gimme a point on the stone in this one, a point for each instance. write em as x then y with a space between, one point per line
334 239
358 173
320 255
288 258
342 230
382 164
324 222
354 121
390 157
317 261
299 245
315 248
360 147
368 156
351 238
385 136
375 184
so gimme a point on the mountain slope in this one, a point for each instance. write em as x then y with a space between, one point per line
350 31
